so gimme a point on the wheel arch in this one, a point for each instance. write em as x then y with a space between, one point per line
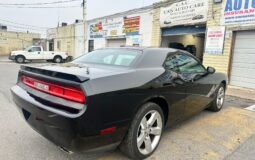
224 82
159 100
57 56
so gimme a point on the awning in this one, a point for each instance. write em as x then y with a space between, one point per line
182 30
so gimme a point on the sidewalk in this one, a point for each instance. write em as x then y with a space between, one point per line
241 92
4 59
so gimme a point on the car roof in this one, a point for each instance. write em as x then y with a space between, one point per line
168 50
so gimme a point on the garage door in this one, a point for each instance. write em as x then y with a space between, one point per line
116 42
243 65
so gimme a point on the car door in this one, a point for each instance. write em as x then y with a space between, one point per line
195 79
35 53
173 89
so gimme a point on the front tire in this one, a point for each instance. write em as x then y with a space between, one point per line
218 102
57 59
144 133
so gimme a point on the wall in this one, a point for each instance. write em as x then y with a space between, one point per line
145 31
222 63
156 30
10 41
79 39
64 39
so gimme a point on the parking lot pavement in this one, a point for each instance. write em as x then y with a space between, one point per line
224 135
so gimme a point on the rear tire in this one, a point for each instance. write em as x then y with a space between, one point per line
218 102
144 133
20 59
57 59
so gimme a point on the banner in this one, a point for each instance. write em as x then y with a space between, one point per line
113 27
131 25
184 12
215 40
238 12
96 30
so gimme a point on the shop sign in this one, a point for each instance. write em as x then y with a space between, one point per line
113 27
184 12
238 12
131 25
96 30
215 40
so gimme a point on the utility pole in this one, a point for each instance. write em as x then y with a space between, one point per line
84 5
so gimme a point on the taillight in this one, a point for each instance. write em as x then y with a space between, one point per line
70 93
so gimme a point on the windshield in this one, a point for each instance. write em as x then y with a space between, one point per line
117 57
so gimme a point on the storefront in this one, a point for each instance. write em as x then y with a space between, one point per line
235 53
183 26
131 28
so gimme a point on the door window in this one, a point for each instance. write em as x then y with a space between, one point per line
36 49
183 63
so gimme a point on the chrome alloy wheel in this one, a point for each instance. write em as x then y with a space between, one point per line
220 97
149 132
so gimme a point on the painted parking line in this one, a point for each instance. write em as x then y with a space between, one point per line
207 136
251 108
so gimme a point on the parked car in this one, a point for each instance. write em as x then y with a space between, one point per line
37 53
116 97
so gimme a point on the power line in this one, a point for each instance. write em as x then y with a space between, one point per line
26 28
40 7
45 3
23 24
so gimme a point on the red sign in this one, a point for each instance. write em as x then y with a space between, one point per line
131 25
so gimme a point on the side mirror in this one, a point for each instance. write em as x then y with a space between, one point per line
210 70
30 50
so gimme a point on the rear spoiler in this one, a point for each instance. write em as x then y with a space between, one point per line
53 74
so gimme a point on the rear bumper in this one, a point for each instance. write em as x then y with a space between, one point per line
71 133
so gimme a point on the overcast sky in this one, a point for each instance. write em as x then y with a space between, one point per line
49 17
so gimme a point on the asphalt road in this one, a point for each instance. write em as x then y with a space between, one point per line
228 134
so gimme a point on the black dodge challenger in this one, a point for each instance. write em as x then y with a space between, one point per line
116 97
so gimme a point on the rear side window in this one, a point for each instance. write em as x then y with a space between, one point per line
36 49
116 57
183 63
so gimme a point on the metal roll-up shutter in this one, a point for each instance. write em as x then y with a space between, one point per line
243 63
116 42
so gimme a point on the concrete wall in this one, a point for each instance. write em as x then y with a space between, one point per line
79 39
10 41
64 39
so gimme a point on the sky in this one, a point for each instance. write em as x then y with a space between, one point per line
49 17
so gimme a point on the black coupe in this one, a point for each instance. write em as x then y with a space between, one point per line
116 97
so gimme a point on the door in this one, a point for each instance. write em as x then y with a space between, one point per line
116 42
174 90
243 63
91 45
34 53
195 79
